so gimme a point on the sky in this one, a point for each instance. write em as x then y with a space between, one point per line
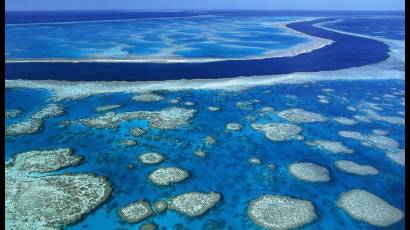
16 5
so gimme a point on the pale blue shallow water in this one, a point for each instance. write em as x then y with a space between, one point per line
193 37
225 169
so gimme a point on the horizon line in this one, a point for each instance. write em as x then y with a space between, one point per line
158 10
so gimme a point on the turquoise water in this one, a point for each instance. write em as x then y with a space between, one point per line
194 37
225 168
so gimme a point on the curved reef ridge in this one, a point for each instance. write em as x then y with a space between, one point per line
353 50
49 202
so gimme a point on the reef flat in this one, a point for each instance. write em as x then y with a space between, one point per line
330 146
355 168
136 212
167 176
309 172
281 212
194 203
365 206
279 132
301 116
151 158
104 108
44 161
148 97
53 201
35 122
169 118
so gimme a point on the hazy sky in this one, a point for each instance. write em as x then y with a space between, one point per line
205 4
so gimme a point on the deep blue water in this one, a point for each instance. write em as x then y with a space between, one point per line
346 51
225 169
388 27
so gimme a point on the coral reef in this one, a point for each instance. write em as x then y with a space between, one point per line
12 113
301 116
49 202
355 168
234 126
330 146
151 158
365 206
136 212
148 97
278 131
167 176
35 122
309 172
136 132
104 108
194 204
281 212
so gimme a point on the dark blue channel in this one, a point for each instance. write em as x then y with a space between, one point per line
346 51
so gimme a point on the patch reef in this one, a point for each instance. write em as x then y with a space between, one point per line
49 202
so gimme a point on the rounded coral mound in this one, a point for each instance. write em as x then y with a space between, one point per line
281 212
365 206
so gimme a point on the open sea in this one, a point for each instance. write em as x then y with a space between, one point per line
88 47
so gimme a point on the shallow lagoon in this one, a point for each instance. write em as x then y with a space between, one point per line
225 168
159 39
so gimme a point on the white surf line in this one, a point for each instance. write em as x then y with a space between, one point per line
313 44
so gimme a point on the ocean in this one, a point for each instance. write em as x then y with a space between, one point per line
339 98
